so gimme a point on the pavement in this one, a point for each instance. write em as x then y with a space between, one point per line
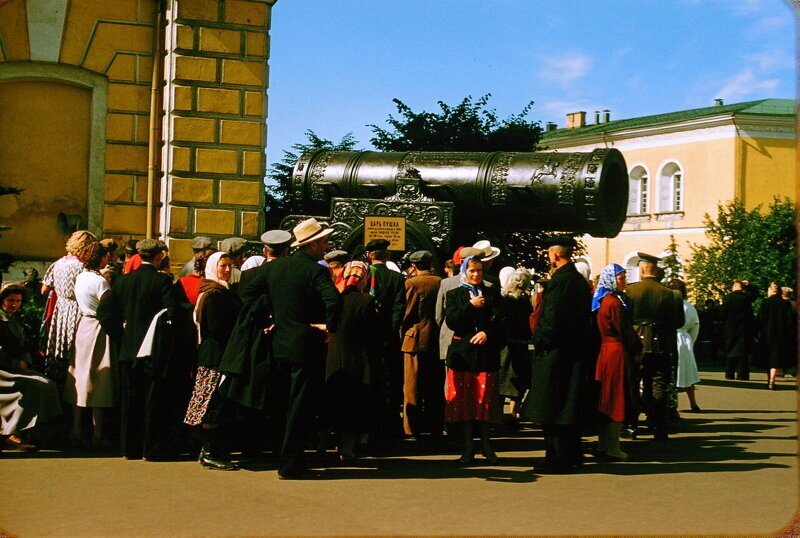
731 469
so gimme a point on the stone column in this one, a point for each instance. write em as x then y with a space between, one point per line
214 125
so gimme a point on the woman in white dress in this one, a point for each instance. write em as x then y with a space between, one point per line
687 336
90 376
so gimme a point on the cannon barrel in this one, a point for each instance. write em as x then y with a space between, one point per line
571 192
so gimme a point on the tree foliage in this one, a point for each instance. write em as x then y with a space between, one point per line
671 263
759 245
278 198
467 126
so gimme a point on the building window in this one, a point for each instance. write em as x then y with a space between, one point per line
637 191
670 188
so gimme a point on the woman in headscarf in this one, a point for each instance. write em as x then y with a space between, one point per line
92 369
60 279
620 348
26 398
349 366
515 362
215 316
473 358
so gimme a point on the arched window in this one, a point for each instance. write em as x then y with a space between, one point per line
670 188
637 190
631 266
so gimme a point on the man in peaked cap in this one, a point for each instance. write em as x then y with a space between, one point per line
562 360
657 314
199 244
423 398
276 245
389 291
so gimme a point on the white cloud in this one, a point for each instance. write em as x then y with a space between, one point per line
746 83
565 69
769 59
771 24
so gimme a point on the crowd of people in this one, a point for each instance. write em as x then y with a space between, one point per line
283 353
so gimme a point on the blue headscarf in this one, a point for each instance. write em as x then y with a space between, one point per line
462 277
607 283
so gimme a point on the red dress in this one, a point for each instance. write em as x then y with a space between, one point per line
618 345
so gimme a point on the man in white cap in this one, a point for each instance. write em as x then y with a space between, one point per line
306 307
276 245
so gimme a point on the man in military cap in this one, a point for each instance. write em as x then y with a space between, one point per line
657 315
148 421
276 245
423 397
336 260
389 291
199 244
562 359
234 247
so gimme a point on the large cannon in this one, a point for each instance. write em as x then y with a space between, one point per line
574 192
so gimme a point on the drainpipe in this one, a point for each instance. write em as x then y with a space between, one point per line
155 99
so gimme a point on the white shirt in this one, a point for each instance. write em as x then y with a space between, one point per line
89 288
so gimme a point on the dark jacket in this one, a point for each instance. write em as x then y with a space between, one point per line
739 324
657 315
419 329
301 293
217 311
248 275
390 297
777 339
126 311
563 355
466 321
353 346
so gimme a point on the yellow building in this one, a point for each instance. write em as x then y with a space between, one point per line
681 165
86 133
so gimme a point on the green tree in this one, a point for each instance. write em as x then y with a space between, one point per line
469 126
759 245
671 263
278 200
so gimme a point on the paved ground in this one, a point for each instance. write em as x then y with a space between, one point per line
732 469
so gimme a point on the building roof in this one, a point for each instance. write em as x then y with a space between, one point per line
763 107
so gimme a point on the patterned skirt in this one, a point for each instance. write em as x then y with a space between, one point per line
205 386
472 396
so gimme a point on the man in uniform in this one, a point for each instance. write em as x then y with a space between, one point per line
276 245
387 286
423 379
562 356
306 307
126 313
657 315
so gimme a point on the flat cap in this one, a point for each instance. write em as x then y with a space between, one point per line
276 238
377 244
201 242
420 256
645 257
150 247
467 252
233 246
560 240
336 256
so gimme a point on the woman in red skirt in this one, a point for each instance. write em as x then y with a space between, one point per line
620 348
473 359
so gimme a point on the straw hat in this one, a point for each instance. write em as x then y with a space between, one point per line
489 252
309 230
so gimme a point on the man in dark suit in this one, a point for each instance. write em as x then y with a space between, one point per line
423 397
306 307
562 357
126 313
739 325
387 286
657 315
276 245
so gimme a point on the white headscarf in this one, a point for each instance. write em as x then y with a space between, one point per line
505 275
211 268
252 261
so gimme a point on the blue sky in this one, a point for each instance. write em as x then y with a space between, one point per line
336 65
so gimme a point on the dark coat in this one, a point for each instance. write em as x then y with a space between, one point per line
652 302
739 324
352 347
125 313
776 333
248 275
300 292
466 321
12 347
217 311
419 329
562 358
390 297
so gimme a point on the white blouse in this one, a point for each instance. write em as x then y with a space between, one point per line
89 288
